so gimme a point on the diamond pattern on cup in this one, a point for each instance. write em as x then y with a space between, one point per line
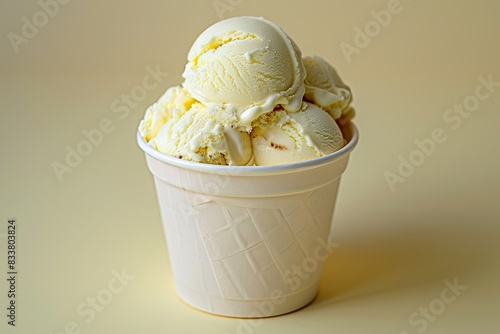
248 275
305 231
226 230
249 249
321 204
308 220
184 250
278 237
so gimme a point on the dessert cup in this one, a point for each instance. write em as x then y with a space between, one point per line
248 241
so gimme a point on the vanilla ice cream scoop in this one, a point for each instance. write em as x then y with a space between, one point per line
297 136
325 88
174 99
194 135
249 98
243 67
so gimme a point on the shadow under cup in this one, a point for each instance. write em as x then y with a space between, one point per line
248 241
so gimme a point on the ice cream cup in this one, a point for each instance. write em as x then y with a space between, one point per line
248 241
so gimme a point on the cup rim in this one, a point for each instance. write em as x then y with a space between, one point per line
251 170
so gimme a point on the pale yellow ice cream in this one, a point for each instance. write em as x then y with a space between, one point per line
325 88
175 99
249 98
298 136
243 67
194 135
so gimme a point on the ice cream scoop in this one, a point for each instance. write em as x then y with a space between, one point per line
175 99
243 67
194 135
249 98
290 137
324 87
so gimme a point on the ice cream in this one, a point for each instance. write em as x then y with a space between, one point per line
175 100
249 98
194 135
290 137
237 233
243 67
324 87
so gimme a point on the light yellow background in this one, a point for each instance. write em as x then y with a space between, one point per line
396 247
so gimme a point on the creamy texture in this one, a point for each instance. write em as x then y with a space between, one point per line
291 137
175 99
324 87
243 67
249 98
194 135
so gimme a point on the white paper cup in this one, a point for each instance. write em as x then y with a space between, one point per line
247 241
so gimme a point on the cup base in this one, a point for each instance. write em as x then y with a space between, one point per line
248 309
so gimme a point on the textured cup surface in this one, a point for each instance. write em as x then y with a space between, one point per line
247 241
